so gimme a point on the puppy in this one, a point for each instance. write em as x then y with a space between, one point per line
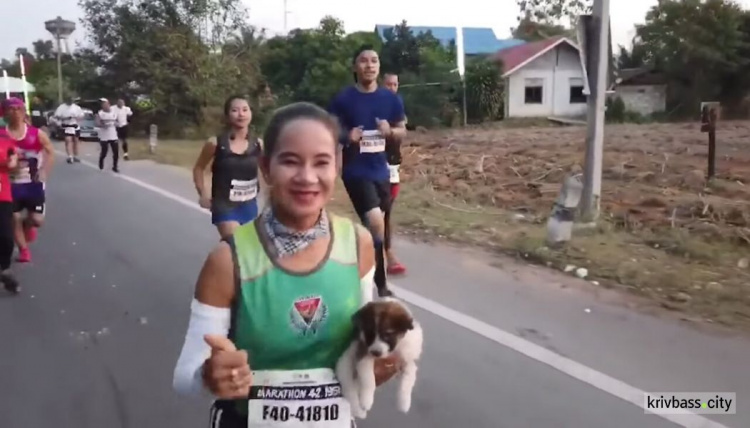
383 328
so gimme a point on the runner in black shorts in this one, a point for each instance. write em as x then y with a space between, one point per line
393 151
68 114
38 120
370 116
123 114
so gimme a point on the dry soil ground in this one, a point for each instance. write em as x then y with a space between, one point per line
665 233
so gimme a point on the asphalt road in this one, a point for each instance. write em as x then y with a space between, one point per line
93 340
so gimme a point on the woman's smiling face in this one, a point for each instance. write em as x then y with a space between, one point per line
302 168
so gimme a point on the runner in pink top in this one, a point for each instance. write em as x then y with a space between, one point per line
35 160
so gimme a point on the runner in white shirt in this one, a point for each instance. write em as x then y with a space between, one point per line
106 121
123 113
68 114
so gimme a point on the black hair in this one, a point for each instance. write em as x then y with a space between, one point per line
300 110
231 99
357 53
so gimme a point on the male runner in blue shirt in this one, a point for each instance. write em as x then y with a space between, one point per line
369 116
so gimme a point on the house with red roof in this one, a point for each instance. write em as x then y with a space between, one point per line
544 78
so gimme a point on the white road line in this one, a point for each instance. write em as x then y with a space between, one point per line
565 365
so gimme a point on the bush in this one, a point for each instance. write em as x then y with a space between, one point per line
484 91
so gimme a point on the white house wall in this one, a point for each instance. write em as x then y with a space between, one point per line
644 99
556 68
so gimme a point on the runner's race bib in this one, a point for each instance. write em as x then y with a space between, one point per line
395 176
297 399
23 174
243 190
372 142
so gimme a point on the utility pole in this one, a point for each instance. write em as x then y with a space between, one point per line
592 183
461 66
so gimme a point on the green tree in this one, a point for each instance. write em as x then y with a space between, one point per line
484 90
310 65
530 30
172 52
553 13
635 57
698 44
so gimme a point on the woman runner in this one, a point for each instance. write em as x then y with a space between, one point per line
234 157
278 296
36 156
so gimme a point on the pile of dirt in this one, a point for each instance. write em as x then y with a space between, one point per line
653 175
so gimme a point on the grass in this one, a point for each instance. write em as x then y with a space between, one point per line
677 270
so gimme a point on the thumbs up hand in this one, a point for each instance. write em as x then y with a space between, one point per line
226 372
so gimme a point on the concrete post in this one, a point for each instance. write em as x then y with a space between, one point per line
153 138
560 222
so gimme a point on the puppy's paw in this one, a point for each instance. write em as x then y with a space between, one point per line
366 400
352 397
404 403
358 412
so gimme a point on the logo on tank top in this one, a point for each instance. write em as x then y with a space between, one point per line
308 314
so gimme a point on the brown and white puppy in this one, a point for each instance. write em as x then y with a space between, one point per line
383 328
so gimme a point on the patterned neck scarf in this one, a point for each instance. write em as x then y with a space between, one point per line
287 241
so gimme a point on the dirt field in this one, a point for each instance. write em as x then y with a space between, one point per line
664 234
654 176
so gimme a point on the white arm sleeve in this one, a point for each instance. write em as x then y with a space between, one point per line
204 319
367 285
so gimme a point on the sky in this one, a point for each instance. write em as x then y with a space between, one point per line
27 25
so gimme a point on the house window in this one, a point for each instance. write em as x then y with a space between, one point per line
534 93
576 91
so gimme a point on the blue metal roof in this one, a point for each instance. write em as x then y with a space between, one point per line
476 40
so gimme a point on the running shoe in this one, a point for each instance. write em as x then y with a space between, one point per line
396 269
24 255
10 283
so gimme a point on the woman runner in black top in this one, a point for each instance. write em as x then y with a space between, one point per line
235 182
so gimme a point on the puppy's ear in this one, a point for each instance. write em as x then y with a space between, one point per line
405 323
358 318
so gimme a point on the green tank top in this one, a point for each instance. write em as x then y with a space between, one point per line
294 321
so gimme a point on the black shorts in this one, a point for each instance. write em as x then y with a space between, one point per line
31 205
38 122
122 132
367 194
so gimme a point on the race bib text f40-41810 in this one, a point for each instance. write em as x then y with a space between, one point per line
297 399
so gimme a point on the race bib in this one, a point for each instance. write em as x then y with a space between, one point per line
70 130
395 176
36 113
243 190
372 142
297 399
23 173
